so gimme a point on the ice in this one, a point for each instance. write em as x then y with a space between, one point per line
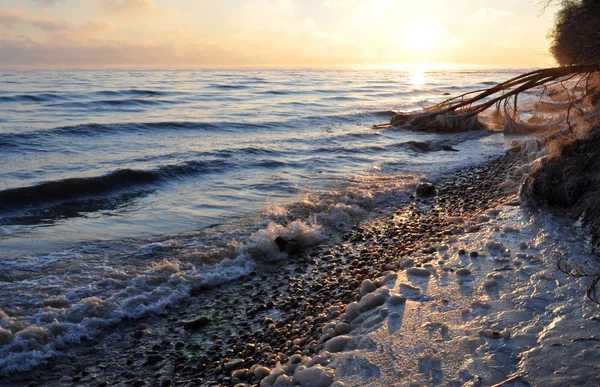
537 327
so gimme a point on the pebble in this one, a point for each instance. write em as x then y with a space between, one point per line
463 271
234 364
337 344
342 328
152 359
239 374
407 262
261 372
367 286
396 300
490 283
198 323
425 190
352 311
418 272
496 246
316 376
454 220
371 301
483 219
474 254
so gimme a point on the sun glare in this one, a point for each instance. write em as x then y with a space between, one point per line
422 36
417 79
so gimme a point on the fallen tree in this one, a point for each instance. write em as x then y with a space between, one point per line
459 114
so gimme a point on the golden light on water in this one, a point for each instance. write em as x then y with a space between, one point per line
417 79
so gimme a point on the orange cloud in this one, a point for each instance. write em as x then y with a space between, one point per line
129 8
10 18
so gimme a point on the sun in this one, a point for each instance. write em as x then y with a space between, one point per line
422 36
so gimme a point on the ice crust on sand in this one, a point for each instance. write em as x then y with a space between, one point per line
528 320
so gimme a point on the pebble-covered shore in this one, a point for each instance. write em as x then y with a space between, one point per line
235 334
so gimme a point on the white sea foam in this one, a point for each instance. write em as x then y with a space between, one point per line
99 291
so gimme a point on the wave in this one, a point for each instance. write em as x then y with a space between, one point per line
123 180
119 180
9 140
44 97
12 139
228 87
130 102
279 92
425 146
132 92
415 146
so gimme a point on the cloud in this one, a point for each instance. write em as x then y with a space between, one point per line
129 8
10 18
46 2
96 27
487 14
77 51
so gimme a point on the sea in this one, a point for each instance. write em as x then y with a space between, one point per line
123 190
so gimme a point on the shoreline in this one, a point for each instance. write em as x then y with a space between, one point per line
272 323
187 350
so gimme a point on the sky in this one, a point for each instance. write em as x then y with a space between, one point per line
272 33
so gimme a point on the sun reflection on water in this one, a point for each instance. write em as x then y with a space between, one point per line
417 79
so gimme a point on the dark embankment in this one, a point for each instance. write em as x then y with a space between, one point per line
570 183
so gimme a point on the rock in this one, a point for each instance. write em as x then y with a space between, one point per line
287 246
425 190
418 272
352 311
490 283
342 328
367 286
514 150
463 271
198 323
371 301
337 344
493 212
474 254
316 376
153 359
390 277
295 359
261 372
284 380
495 245
396 300
233 365
239 374
407 262
483 219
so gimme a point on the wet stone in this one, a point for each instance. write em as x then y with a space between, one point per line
198 323
425 190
